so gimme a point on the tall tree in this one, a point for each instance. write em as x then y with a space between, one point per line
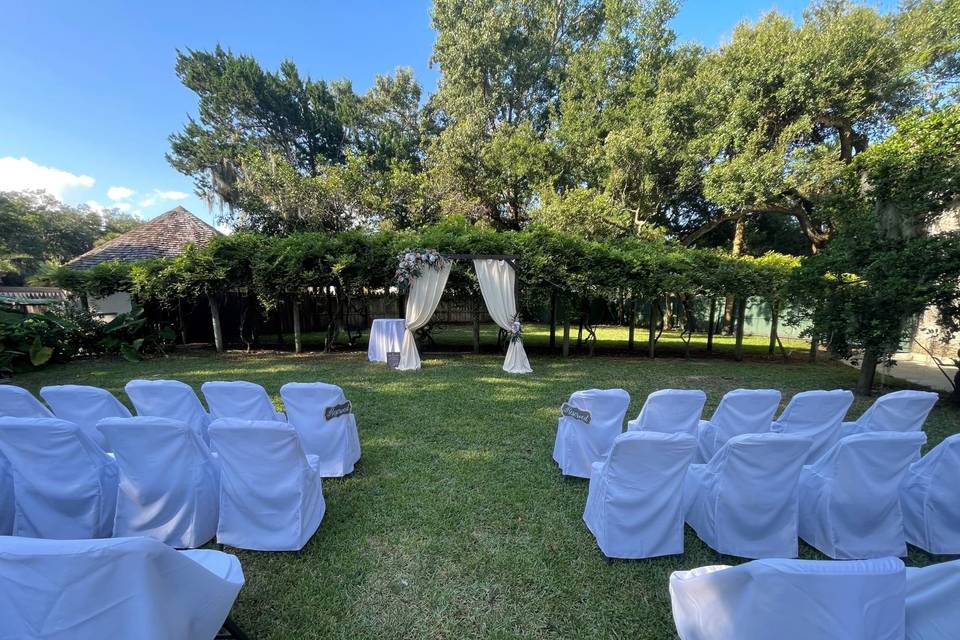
274 149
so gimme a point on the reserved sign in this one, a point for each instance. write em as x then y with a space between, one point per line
571 411
337 410
393 359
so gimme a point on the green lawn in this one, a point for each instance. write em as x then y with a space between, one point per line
456 523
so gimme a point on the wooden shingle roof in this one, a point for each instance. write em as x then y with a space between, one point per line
165 236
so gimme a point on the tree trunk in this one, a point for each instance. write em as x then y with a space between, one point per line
553 320
713 311
735 250
476 327
180 321
814 347
774 320
297 338
868 369
652 337
668 312
566 336
741 317
215 318
632 324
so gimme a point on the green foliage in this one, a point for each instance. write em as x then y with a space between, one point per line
37 230
69 331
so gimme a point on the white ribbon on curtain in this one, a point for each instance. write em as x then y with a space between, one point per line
422 300
497 279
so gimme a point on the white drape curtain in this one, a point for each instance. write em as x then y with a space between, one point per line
422 300
497 279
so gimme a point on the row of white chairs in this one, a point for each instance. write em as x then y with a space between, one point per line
251 484
818 415
876 599
320 412
756 495
252 488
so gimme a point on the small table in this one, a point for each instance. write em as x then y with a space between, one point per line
386 334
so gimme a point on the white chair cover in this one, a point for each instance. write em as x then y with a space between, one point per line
816 415
744 501
791 600
84 406
271 498
334 441
6 497
634 505
585 435
118 588
930 499
20 403
850 498
898 411
671 411
740 411
238 399
169 399
65 486
933 595
169 483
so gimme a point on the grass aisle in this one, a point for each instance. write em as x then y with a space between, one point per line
457 524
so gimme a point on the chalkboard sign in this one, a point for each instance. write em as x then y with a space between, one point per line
337 410
571 411
393 359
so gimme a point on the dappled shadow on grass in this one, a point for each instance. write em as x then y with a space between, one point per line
457 523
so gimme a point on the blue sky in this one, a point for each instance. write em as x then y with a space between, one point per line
88 93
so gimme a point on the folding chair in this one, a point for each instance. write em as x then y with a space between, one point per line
744 501
16 402
635 501
932 596
816 415
238 399
930 499
671 411
588 424
740 411
324 418
169 482
169 399
117 588
791 600
898 411
271 497
84 406
64 485
850 498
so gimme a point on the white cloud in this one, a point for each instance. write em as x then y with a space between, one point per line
171 195
122 206
95 206
148 202
224 228
119 193
19 174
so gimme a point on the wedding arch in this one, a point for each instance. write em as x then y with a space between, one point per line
423 274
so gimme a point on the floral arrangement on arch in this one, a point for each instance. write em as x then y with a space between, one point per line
516 329
410 265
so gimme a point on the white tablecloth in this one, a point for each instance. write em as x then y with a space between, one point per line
386 334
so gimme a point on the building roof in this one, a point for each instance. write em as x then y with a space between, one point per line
165 236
